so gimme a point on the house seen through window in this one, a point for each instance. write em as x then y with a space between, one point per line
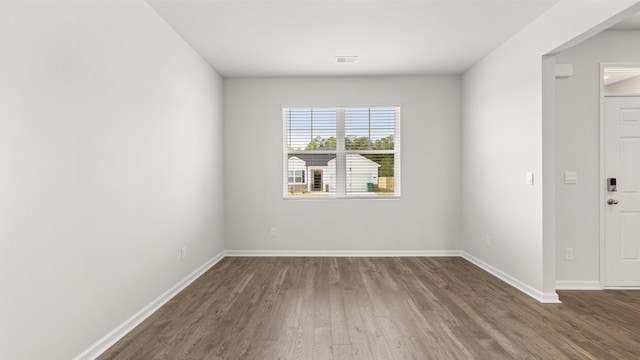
342 152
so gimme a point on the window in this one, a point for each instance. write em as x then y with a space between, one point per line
296 176
341 152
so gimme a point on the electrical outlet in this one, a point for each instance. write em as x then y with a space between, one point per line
273 232
568 254
487 241
183 253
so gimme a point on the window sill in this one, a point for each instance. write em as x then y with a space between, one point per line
329 197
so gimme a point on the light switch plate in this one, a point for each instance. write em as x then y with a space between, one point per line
570 177
529 178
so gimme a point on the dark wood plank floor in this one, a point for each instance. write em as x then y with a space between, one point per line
378 308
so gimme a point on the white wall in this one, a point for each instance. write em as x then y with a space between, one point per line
110 158
502 139
578 144
425 218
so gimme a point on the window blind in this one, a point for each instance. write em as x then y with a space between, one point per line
341 152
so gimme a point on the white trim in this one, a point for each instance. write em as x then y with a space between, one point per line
397 158
577 285
123 329
621 288
345 253
601 193
334 197
527 289
549 298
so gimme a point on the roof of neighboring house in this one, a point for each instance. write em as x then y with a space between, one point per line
316 159
321 159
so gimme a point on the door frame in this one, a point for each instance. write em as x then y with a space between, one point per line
602 179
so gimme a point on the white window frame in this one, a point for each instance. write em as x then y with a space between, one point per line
341 154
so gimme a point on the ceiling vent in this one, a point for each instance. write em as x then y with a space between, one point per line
346 59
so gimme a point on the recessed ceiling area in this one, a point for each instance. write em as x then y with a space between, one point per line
303 38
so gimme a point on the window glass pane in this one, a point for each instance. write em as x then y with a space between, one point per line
310 129
621 80
369 128
370 174
311 174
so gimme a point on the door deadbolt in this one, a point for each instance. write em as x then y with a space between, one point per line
612 202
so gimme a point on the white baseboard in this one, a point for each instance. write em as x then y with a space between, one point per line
578 285
532 292
345 253
621 288
119 332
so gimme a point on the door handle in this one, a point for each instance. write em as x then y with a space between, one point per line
612 202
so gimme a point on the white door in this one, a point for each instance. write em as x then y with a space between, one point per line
622 208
